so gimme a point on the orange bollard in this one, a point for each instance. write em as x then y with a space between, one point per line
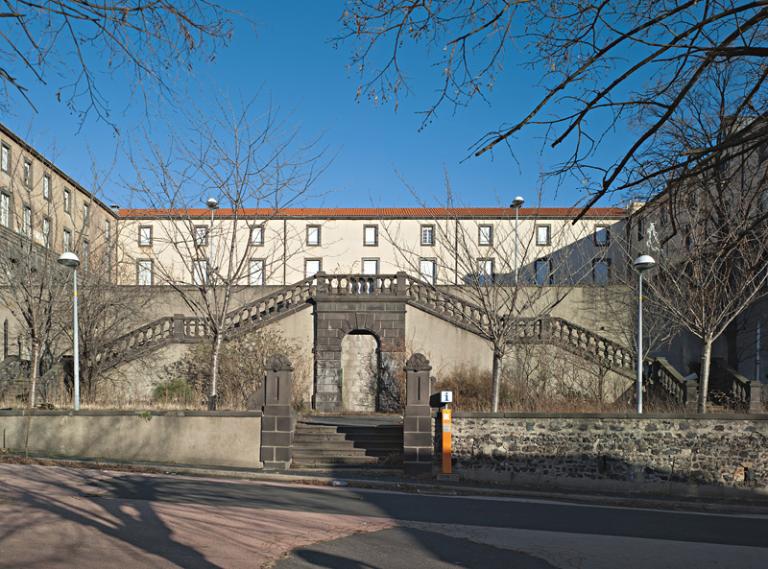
445 421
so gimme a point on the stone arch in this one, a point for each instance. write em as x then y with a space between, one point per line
335 318
360 370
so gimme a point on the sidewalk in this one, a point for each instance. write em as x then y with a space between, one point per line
395 480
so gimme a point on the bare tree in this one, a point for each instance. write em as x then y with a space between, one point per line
504 273
606 67
713 251
79 42
236 160
32 284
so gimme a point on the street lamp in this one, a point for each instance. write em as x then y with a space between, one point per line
642 263
213 205
71 261
516 204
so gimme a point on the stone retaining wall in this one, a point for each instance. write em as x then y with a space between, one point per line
173 437
690 455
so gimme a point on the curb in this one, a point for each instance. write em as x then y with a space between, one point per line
415 486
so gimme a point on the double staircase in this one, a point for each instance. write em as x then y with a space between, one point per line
323 443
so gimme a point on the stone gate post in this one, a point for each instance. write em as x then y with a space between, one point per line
277 423
418 444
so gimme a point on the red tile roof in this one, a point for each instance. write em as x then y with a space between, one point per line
377 213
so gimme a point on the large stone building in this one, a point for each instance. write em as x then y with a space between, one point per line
380 282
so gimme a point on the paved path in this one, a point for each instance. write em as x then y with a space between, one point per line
60 517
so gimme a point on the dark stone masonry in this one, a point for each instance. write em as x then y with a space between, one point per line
612 451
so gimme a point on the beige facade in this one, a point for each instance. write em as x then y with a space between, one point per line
444 246
40 201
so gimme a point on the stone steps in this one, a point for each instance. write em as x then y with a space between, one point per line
340 444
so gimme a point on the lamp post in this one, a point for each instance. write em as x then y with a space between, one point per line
642 263
71 261
516 204
213 205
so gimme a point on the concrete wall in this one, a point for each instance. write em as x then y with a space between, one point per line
701 455
192 438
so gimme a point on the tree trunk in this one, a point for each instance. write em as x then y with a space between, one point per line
34 366
706 359
496 381
215 371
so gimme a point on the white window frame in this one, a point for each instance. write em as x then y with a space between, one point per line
26 173
257 231
5 158
5 209
256 272
606 232
485 235
144 268
86 214
200 235
547 237
374 229
549 275
431 275
67 200
367 261
67 240
483 264
47 187
26 221
145 240
601 262
200 272
317 231
307 262
46 231
431 241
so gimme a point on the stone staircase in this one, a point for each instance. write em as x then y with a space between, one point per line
323 443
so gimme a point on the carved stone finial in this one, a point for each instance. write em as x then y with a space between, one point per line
279 362
417 362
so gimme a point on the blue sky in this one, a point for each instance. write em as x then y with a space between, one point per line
287 56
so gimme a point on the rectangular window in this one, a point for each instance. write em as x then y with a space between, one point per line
601 271
427 235
313 235
5 158
256 272
428 270
46 232
47 187
312 267
144 272
86 213
26 221
5 210
485 271
543 272
370 266
640 229
543 235
257 235
485 235
201 235
67 240
107 232
26 173
145 236
67 201
602 235
370 235
86 254
200 272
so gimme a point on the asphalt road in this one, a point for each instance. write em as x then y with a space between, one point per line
60 517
